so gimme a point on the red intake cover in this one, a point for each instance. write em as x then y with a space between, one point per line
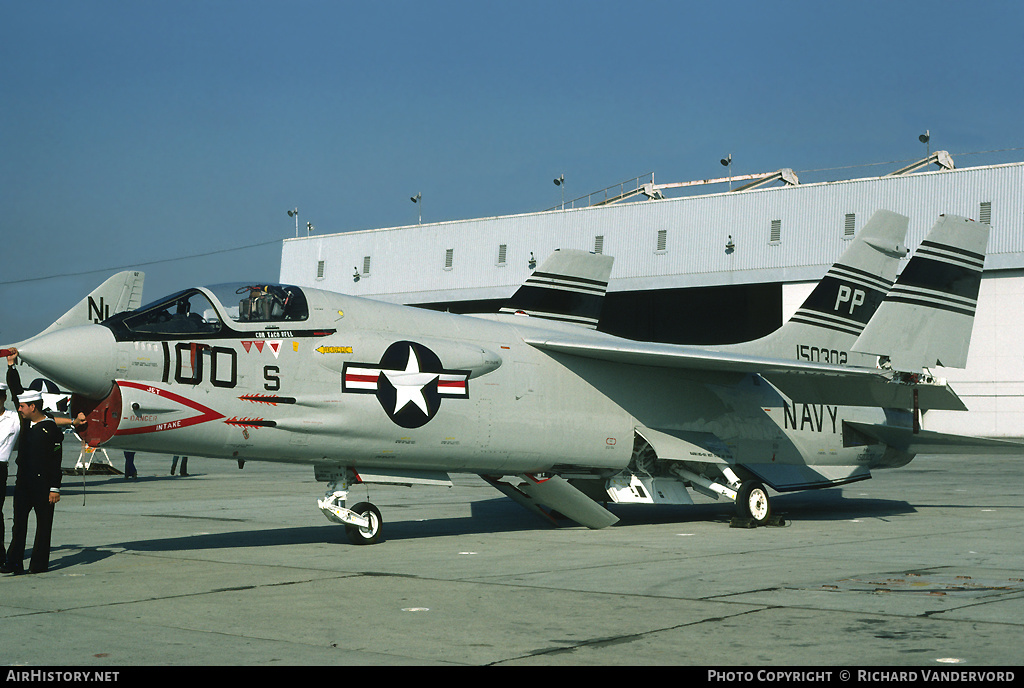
103 416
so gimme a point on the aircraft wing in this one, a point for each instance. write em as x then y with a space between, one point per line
804 381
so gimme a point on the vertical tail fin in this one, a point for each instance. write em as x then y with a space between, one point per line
568 287
927 317
121 292
831 318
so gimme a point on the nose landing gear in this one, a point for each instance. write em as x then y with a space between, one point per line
362 522
370 533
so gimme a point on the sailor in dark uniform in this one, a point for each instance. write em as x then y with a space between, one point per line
10 427
37 486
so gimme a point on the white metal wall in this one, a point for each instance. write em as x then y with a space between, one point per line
407 264
992 384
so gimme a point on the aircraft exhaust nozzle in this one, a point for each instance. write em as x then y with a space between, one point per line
82 359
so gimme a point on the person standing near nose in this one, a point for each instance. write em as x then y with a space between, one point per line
10 427
37 487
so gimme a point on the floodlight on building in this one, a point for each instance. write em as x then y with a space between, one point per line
295 213
560 182
417 199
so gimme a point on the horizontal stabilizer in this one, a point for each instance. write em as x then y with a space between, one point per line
790 477
929 442
568 287
859 390
556 494
927 317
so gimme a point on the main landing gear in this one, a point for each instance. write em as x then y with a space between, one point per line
752 503
753 506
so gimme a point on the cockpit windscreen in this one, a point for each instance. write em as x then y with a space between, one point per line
187 312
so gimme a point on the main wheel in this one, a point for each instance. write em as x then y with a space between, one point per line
752 502
371 534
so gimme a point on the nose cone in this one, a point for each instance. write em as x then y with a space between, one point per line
82 359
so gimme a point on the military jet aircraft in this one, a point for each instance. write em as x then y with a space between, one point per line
535 399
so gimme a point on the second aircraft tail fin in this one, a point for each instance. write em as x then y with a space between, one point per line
121 292
568 287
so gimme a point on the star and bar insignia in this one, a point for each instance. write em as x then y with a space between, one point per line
409 383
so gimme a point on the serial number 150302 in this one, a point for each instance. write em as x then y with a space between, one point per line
805 352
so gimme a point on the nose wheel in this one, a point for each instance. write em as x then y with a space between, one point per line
362 522
370 533
752 502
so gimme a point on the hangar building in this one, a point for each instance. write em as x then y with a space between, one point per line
709 268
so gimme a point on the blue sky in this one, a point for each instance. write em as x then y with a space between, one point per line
140 131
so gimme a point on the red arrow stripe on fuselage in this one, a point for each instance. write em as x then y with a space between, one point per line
205 414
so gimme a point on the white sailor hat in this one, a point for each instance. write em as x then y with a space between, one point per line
30 395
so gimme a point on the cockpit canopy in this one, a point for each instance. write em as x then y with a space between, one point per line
194 312
262 303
